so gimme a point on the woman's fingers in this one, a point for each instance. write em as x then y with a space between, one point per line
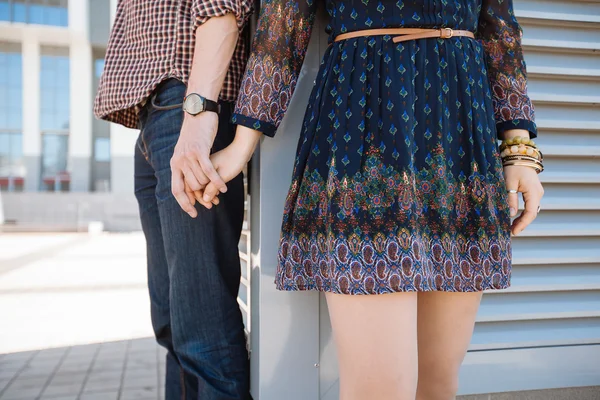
210 192
198 195
513 196
532 196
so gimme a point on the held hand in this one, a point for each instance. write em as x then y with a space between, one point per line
191 168
525 180
230 161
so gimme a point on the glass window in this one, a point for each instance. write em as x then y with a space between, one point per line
102 149
54 118
12 169
43 12
54 82
98 67
54 162
4 10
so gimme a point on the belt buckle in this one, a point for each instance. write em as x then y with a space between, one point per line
446 33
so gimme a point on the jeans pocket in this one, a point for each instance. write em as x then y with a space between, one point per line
157 105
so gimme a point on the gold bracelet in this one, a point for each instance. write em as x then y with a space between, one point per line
538 168
521 158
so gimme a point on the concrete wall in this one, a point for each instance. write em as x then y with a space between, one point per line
70 211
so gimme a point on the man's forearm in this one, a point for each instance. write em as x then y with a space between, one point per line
216 40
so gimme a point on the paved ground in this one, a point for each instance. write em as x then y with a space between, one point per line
75 319
124 370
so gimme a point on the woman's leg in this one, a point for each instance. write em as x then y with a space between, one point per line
445 326
376 342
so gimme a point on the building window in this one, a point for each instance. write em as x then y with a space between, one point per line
42 12
12 170
102 150
55 148
54 122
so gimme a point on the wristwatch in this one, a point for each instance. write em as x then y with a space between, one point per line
195 104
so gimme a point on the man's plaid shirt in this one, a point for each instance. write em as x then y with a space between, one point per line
154 40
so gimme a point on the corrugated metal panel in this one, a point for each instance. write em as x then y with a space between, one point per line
554 303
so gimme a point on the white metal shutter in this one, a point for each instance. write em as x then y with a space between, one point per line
544 332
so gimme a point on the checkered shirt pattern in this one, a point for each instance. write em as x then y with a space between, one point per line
154 40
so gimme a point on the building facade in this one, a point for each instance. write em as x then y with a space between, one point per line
51 58
60 168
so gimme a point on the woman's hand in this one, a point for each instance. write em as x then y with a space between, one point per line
525 180
230 162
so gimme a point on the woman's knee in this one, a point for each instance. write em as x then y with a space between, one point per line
437 382
380 385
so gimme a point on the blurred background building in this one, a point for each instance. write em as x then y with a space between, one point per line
51 58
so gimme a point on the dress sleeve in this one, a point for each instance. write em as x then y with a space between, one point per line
278 50
500 34
203 10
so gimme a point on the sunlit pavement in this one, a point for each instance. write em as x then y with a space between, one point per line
74 318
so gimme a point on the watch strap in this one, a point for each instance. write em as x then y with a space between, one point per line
211 105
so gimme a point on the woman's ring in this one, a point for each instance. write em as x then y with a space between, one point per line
539 208
512 191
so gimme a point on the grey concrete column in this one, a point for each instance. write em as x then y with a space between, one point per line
81 86
284 326
122 145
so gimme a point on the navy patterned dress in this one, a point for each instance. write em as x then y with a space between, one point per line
397 185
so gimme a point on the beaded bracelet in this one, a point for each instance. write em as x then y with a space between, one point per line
521 151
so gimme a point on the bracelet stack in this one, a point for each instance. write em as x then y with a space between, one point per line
521 151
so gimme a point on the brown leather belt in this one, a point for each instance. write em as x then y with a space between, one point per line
404 34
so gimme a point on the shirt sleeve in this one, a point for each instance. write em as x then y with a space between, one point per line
500 34
202 10
279 47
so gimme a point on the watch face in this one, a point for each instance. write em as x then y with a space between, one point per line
194 104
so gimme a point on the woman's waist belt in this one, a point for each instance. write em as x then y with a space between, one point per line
404 34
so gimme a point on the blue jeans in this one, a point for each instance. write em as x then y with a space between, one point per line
193 264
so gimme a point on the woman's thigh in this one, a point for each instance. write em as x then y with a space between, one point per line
445 326
376 341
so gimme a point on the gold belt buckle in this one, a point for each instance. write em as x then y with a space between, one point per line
446 33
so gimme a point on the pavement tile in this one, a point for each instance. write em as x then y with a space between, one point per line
74 367
4 383
103 366
85 350
8 374
35 373
56 353
23 355
102 385
21 394
140 383
74 397
63 377
63 390
12 365
107 374
141 374
144 343
28 383
139 394
111 395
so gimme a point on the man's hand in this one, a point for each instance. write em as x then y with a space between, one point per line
191 167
